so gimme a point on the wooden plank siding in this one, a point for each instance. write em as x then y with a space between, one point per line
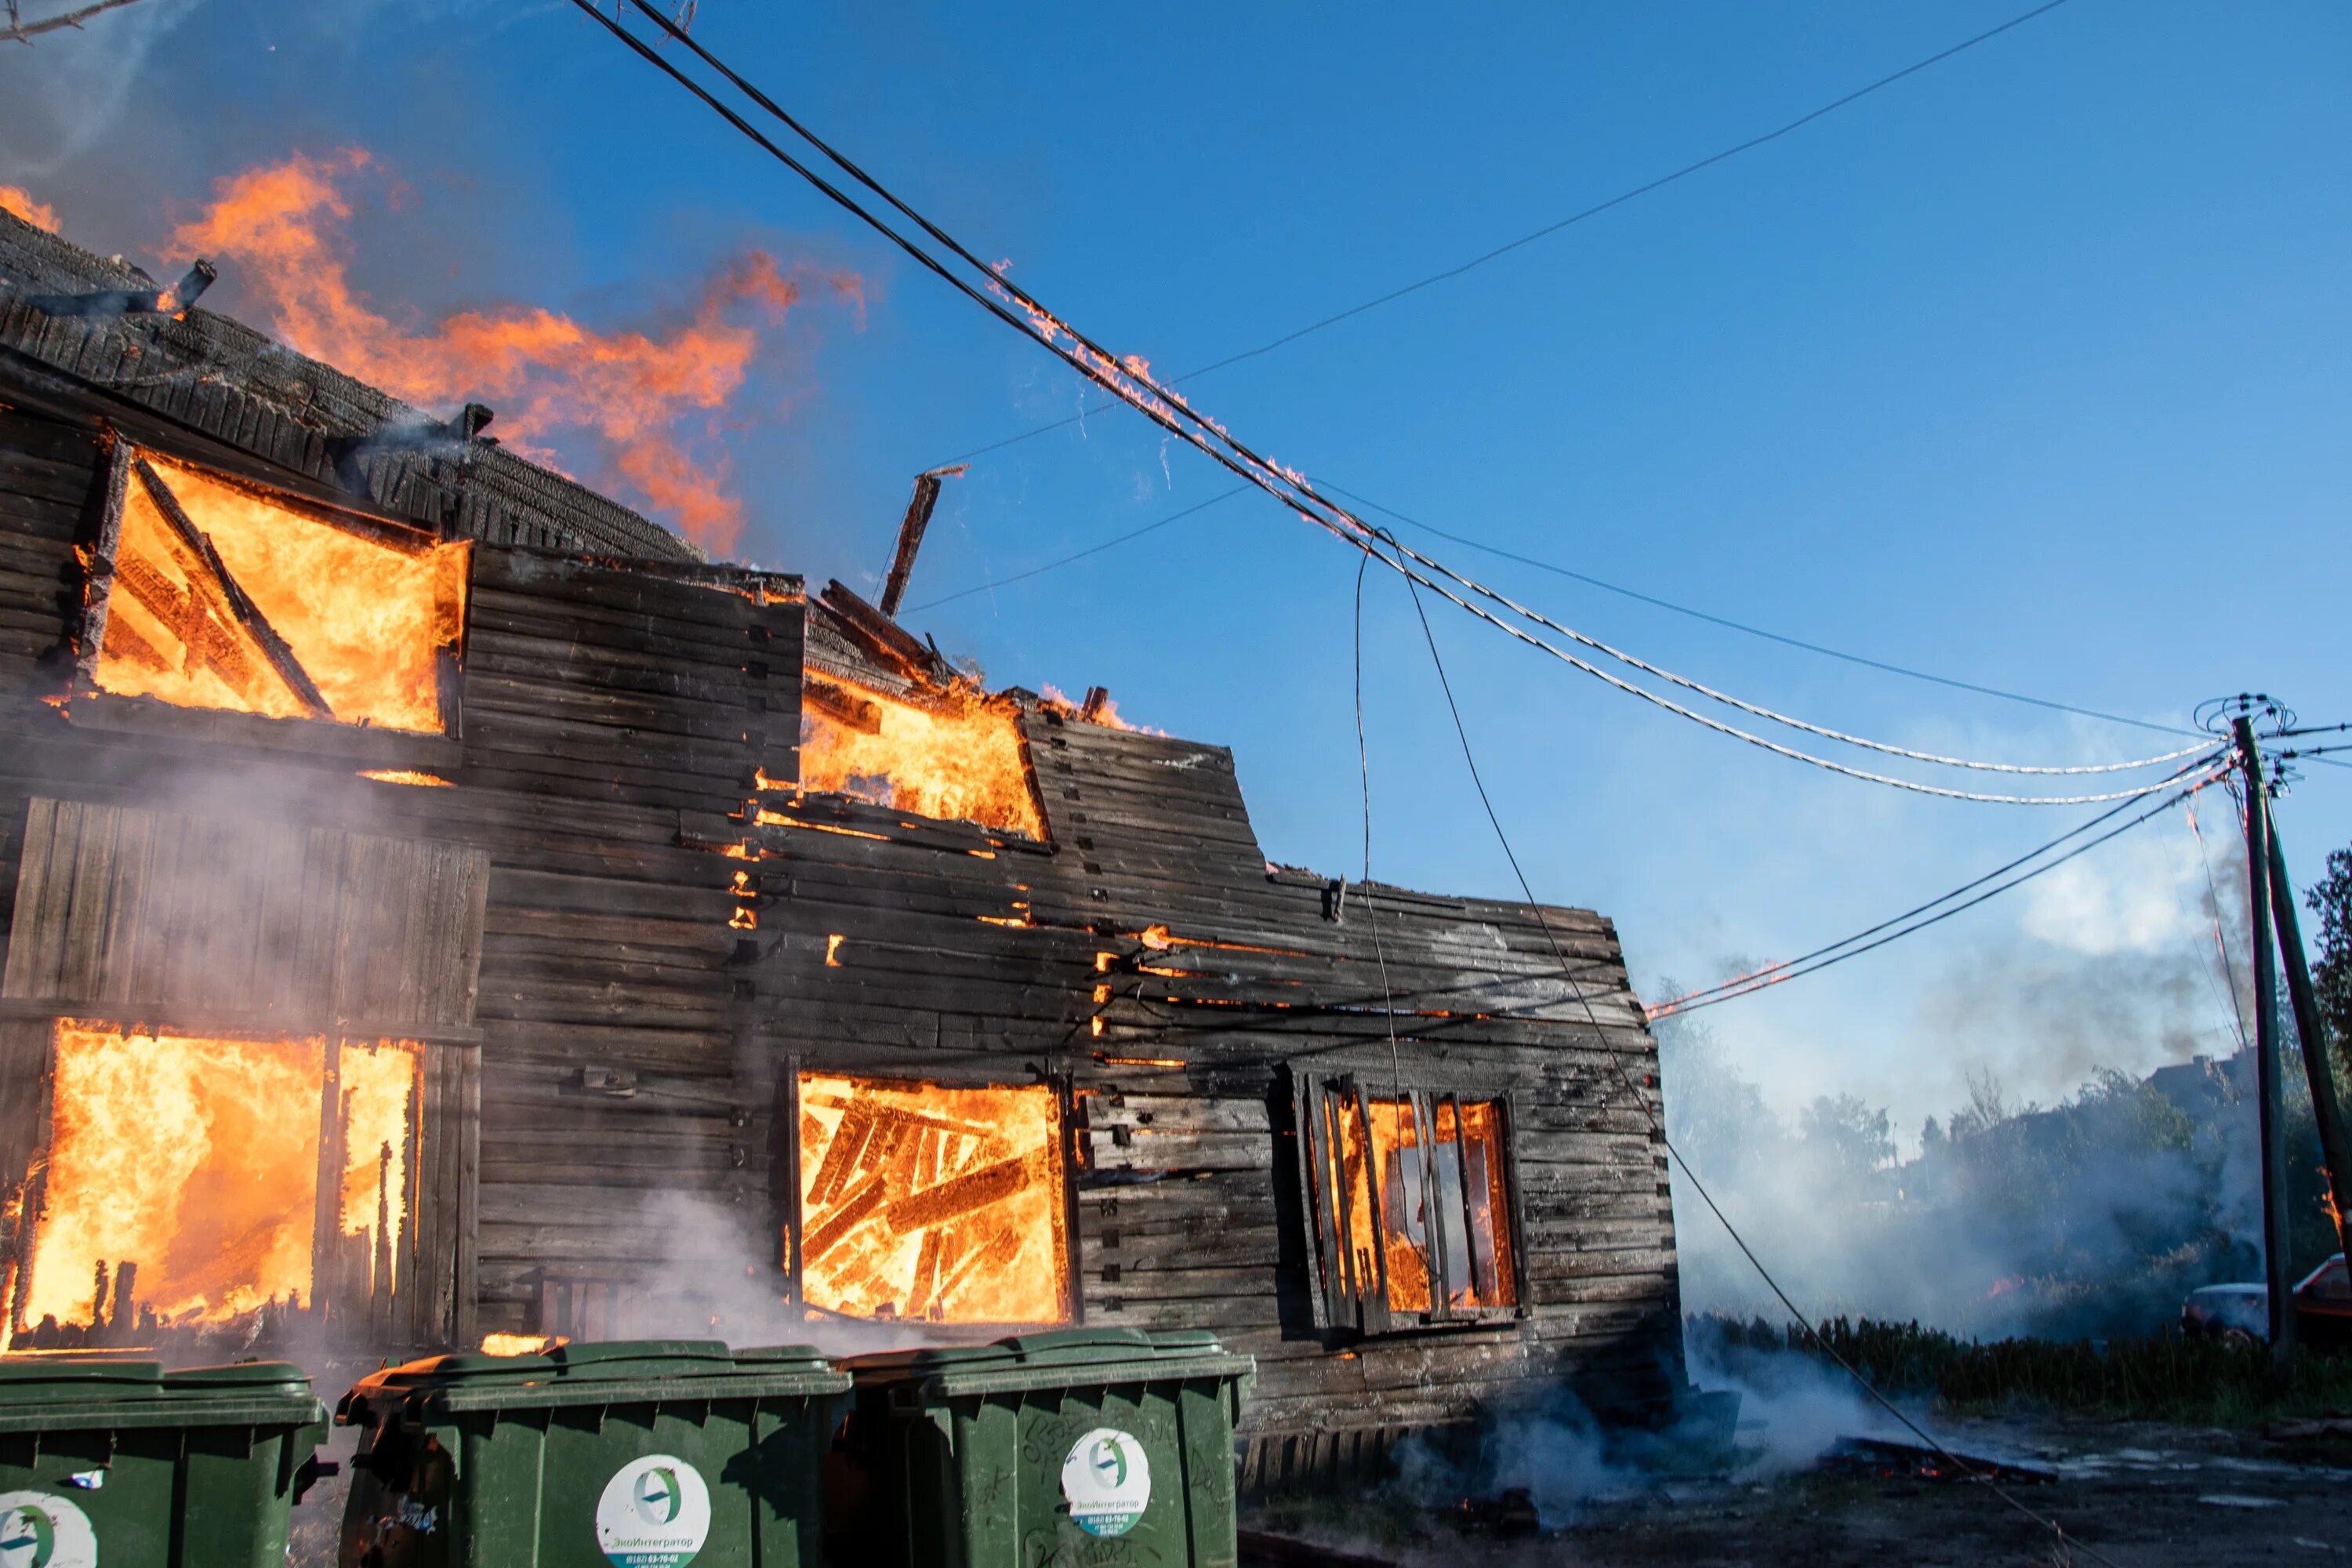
666 927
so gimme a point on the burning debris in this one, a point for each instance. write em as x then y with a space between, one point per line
931 1203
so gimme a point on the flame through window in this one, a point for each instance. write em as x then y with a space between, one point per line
182 1182
1411 1203
953 754
929 1201
223 597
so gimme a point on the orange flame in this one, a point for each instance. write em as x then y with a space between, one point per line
365 622
521 1344
1106 713
958 755
631 393
15 200
930 1203
197 1159
1772 973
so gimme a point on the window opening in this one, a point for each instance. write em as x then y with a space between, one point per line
953 754
1411 1204
932 1202
223 598
183 1185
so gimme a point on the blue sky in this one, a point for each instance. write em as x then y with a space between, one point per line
2027 370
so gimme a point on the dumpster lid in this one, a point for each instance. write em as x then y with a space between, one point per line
44 1376
1132 1354
571 1374
609 1359
39 1390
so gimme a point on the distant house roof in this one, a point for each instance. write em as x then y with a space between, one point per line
65 339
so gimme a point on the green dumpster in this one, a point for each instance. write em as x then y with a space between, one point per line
649 1454
1077 1446
107 1459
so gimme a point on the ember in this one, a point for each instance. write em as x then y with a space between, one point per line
920 1201
953 754
224 599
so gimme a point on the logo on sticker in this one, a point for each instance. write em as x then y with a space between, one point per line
654 1513
38 1530
1107 1481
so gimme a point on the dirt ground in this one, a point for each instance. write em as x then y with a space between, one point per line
2137 1495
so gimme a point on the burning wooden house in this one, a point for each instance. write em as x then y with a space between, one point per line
442 903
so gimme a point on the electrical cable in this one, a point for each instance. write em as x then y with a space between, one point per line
1774 746
1549 229
1758 978
2217 980
1371 913
1680 1005
1081 555
2221 934
1658 1131
1709 692
1131 382
1730 625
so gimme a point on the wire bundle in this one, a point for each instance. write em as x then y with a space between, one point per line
1129 380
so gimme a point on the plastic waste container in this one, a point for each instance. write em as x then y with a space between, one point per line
646 1454
1076 1445
107 1459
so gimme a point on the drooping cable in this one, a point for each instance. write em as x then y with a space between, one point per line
1766 975
1747 985
1698 1185
2220 933
1371 914
1131 382
1743 628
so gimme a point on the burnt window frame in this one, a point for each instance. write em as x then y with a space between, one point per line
784 1183
1343 1301
92 704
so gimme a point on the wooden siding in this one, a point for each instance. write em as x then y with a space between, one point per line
662 939
142 915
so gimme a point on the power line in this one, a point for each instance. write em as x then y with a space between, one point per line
1130 381
1658 1127
1786 641
1633 194
1745 985
1634 594
1767 713
1081 555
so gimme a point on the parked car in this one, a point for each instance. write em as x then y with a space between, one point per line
2240 1313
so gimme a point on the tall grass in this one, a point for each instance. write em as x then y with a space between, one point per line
2164 1377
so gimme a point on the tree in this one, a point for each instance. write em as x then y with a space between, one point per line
2331 899
1854 1139
14 29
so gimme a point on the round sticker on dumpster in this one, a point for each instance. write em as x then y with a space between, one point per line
1107 1481
654 1513
38 1530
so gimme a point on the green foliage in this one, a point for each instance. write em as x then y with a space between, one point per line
2161 1377
2331 899
1857 1141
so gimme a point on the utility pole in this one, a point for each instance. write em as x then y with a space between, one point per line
2267 1076
2334 1145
